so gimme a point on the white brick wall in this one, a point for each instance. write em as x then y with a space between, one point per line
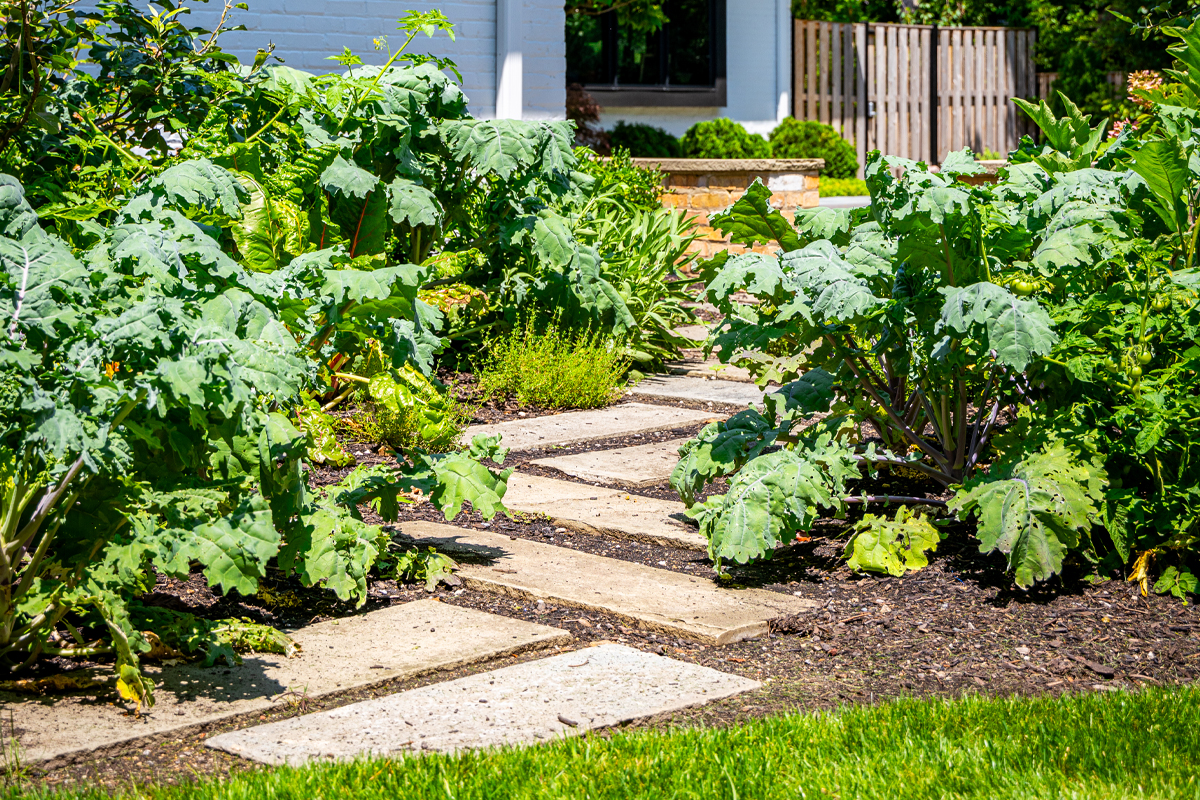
305 32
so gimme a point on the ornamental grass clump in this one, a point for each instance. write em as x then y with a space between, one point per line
553 368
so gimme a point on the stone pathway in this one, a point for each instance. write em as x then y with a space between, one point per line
597 509
653 599
373 648
563 695
581 426
641 465
696 366
526 703
703 390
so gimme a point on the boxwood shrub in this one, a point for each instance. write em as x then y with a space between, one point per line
643 141
795 138
722 138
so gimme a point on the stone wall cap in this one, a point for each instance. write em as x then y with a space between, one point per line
698 165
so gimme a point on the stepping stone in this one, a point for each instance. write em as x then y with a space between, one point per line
659 600
642 465
696 333
560 696
684 387
694 365
398 642
583 426
609 512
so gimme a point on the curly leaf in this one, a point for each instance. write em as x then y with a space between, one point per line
1016 328
751 220
200 182
1033 510
892 546
410 202
720 449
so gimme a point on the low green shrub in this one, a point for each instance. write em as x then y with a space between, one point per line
795 138
722 138
643 141
632 186
553 368
843 187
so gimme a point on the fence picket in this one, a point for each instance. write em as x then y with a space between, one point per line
860 95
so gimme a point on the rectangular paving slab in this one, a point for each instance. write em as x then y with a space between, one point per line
598 509
560 696
398 642
660 600
704 390
641 465
699 367
583 426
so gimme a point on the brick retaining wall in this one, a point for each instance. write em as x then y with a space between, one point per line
703 186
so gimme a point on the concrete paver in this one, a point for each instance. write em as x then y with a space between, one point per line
563 695
688 387
660 600
598 509
694 365
582 426
641 465
398 642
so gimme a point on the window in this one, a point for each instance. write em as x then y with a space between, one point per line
680 64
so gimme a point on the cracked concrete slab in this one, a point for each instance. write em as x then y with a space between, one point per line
564 695
698 389
641 465
599 509
402 641
645 597
582 426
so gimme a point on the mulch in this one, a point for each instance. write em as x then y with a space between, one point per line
957 627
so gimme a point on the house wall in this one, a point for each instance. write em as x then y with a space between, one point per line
306 32
758 59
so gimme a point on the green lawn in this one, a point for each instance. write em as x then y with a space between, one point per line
1102 745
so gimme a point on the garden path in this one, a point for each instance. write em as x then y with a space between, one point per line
699 389
335 656
640 465
680 605
597 509
564 695
581 426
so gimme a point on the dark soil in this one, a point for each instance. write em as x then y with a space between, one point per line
958 626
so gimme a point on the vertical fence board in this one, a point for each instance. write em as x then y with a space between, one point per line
860 96
810 35
823 70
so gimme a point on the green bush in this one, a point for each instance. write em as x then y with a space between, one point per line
843 187
795 138
722 138
633 186
553 369
643 141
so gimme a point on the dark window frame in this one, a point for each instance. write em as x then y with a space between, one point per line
663 93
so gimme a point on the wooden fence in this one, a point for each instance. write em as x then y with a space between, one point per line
916 91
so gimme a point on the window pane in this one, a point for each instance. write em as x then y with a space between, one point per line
682 53
585 42
690 43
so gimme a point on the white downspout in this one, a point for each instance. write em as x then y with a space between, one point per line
783 59
510 71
